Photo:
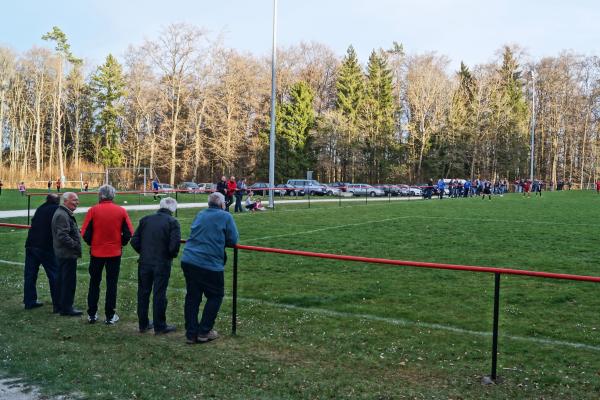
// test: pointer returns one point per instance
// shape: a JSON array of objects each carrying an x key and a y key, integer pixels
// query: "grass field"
[{"x": 312, "y": 328}]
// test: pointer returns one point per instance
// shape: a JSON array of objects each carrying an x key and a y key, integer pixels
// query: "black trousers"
[
  {"x": 153, "y": 279},
  {"x": 198, "y": 282},
  {"x": 113, "y": 266},
  {"x": 67, "y": 277},
  {"x": 33, "y": 258}
]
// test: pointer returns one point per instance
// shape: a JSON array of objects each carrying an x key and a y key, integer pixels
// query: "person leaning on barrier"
[
  {"x": 157, "y": 240},
  {"x": 203, "y": 264},
  {"x": 106, "y": 229},
  {"x": 39, "y": 250},
  {"x": 67, "y": 248}
]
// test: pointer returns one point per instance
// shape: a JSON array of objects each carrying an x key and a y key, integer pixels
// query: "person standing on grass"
[
  {"x": 203, "y": 264},
  {"x": 156, "y": 240},
  {"x": 222, "y": 186},
  {"x": 49, "y": 185},
  {"x": 527, "y": 188},
  {"x": 597, "y": 186},
  {"x": 22, "y": 188},
  {"x": 106, "y": 229},
  {"x": 231, "y": 188},
  {"x": 441, "y": 186},
  {"x": 487, "y": 190},
  {"x": 239, "y": 194},
  {"x": 39, "y": 250},
  {"x": 58, "y": 185},
  {"x": 67, "y": 248},
  {"x": 1, "y": 184},
  {"x": 155, "y": 188}
]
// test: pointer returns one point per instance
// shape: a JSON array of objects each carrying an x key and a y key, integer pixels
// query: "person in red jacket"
[
  {"x": 231, "y": 188},
  {"x": 106, "y": 229},
  {"x": 598, "y": 186}
]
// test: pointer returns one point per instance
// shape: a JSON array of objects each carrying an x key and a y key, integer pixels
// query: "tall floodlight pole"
[
  {"x": 532, "y": 125},
  {"x": 272, "y": 135}
]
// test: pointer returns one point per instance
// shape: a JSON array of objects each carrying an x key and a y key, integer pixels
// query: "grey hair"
[
  {"x": 216, "y": 199},
  {"x": 68, "y": 195},
  {"x": 169, "y": 203},
  {"x": 106, "y": 192}
]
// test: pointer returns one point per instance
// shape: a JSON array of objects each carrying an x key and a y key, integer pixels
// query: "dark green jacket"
[{"x": 65, "y": 234}]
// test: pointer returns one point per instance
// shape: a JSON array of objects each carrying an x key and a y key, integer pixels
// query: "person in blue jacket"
[
  {"x": 441, "y": 186},
  {"x": 203, "y": 264}
]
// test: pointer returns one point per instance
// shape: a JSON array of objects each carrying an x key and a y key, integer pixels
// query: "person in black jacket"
[
  {"x": 38, "y": 250},
  {"x": 157, "y": 240}
]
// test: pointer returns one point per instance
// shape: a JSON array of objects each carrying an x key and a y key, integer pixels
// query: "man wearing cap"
[{"x": 157, "y": 240}]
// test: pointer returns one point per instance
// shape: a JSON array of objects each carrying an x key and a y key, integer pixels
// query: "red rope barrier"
[
  {"x": 18, "y": 226},
  {"x": 506, "y": 271},
  {"x": 418, "y": 264}
]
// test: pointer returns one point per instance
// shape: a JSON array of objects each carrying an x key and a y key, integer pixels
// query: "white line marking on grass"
[
  {"x": 405, "y": 322},
  {"x": 327, "y": 228},
  {"x": 11, "y": 262},
  {"x": 388, "y": 320},
  {"x": 78, "y": 264}
]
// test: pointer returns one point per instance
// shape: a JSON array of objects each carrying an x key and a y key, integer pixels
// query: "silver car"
[{"x": 362, "y": 189}]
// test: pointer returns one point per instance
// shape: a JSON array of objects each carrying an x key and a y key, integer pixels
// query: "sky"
[{"x": 464, "y": 30}]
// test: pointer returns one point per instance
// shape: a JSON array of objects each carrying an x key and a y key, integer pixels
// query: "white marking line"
[
  {"x": 78, "y": 264},
  {"x": 393, "y": 321},
  {"x": 408, "y": 323},
  {"x": 327, "y": 228}
]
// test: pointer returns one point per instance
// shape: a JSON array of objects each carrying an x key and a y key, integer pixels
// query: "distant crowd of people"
[
  {"x": 481, "y": 187},
  {"x": 55, "y": 242}
]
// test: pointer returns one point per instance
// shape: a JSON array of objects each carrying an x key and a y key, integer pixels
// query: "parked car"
[
  {"x": 191, "y": 187},
  {"x": 404, "y": 190},
  {"x": 289, "y": 190},
  {"x": 309, "y": 186},
  {"x": 259, "y": 188},
  {"x": 332, "y": 190},
  {"x": 205, "y": 187},
  {"x": 362, "y": 189},
  {"x": 388, "y": 189},
  {"x": 165, "y": 188},
  {"x": 339, "y": 185},
  {"x": 415, "y": 191}
]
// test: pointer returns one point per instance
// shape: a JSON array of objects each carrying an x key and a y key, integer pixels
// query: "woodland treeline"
[{"x": 192, "y": 109}]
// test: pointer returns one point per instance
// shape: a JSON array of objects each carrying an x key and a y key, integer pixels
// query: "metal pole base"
[{"x": 487, "y": 380}]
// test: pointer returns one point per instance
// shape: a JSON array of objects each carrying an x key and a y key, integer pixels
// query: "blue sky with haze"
[{"x": 468, "y": 30}]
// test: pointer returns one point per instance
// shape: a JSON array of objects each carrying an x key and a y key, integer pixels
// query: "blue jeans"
[
  {"x": 198, "y": 282},
  {"x": 33, "y": 258}
]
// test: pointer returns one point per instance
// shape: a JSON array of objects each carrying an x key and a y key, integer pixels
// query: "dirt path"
[{"x": 15, "y": 389}]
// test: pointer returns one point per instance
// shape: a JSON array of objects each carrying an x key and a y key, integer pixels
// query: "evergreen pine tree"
[
  {"x": 295, "y": 119},
  {"x": 109, "y": 89},
  {"x": 350, "y": 93},
  {"x": 378, "y": 118}
]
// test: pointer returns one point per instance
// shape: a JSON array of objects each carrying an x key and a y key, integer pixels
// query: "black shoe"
[
  {"x": 55, "y": 309},
  {"x": 73, "y": 312},
  {"x": 191, "y": 340},
  {"x": 146, "y": 328},
  {"x": 33, "y": 305},
  {"x": 165, "y": 330}
]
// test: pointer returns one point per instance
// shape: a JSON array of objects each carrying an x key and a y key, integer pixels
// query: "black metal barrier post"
[
  {"x": 234, "y": 290},
  {"x": 340, "y": 196},
  {"x": 366, "y": 196},
  {"x": 309, "y": 199},
  {"x": 139, "y": 198},
  {"x": 493, "y": 376},
  {"x": 177, "y": 202},
  {"x": 28, "y": 207}
]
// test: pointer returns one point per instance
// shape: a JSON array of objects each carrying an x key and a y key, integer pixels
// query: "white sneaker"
[
  {"x": 92, "y": 318},
  {"x": 113, "y": 320},
  {"x": 211, "y": 335}
]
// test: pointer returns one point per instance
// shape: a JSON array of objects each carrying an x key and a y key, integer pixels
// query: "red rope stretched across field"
[{"x": 371, "y": 260}]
